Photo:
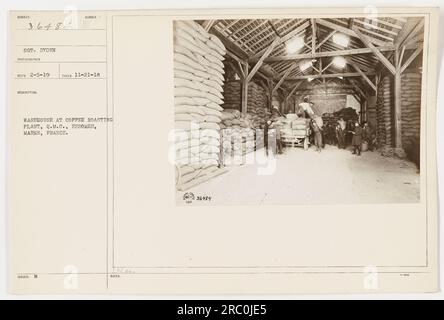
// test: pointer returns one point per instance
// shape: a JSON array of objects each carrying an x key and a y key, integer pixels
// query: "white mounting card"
[{"x": 99, "y": 202}]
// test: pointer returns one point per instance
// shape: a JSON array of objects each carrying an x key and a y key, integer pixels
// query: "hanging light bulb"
[
  {"x": 339, "y": 62},
  {"x": 341, "y": 39},
  {"x": 305, "y": 65},
  {"x": 294, "y": 44}
]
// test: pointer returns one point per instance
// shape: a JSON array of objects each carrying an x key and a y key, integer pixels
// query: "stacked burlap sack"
[
  {"x": 256, "y": 101},
  {"x": 198, "y": 81},
  {"x": 299, "y": 126},
  {"x": 410, "y": 106},
  {"x": 286, "y": 128},
  {"x": 232, "y": 94},
  {"x": 257, "y": 105},
  {"x": 384, "y": 106},
  {"x": 238, "y": 136}
]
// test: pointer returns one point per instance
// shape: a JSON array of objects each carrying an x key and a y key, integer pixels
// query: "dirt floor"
[{"x": 307, "y": 177}]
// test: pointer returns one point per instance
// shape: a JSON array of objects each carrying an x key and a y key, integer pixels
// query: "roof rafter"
[
  {"x": 329, "y": 75},
  {"x": 326, "y": 54},
  {"x": 261, "y": 60},
  {"x": 375, "y": 50}
]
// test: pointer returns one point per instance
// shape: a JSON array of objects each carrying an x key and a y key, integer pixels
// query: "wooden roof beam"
[
  {"x": 283, "y": 39},
  {"x": 243, "y": 28},
  {"x": 234, "y": 57},
  {"x": 329, "y": 75},
  {"x": 293, "y": 90},
  {"x": 207, "y": 24},
  {"x": 375, "y": 50},
  {"x": 368, "y": 24},
  {"x": 238, "y": 54},
  {"x": 383, "y": 22},
  {"x": 325, "y": 39},
  {"x": 267, "y": 52},
  {"x": 238, "y": 69},
  {"x": 411, "y": 58},
  {"x": 356, "y": 67},
  {"x": 415, "y": 32},
  {"x": 241, "y": 37},
  {"x": 290, "y": 68},
  {"x": 228, "y": 26},
  {"x": 356, "y": 87},
  {"x": 347, "y": 31},
  {"x": 406, "y": 31},
  {"x": 327, "y": 54},
  {"x": 313, "y": 35}
]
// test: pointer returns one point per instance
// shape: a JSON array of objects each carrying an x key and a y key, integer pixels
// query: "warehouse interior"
[{"x": 233, "y": 76}]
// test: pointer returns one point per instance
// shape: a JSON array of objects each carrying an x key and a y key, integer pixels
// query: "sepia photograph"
[
  {"x": 298, "y": 111},
  {"x": 244, "y": 152}
]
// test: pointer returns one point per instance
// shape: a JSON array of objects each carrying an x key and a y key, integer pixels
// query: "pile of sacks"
[
  {"x": 384, "y": 107},
  {"x": 238, "y": 134},
  {"x": 198, "y": 80},
  {"x": 233, "y": 119},
  {"x": 411, "y": 106},
  {"x": 294, "y": 126},
  {"x": 257, "y": 105},
  {"x": 232, "y": 94}
]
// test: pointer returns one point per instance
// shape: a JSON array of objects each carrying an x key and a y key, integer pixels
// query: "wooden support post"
[
  {"x": 313, "y": 36},
  {"x": 366, "y": 108},
  {"x": 245, "y": 90},
  {"x": 270, "y": 94},
  {"x": 241, "y": 69},
  {"x": 401, "y": 57},
  {"x": 244, "y": 96},
  {"x": 398, "y": 105}
]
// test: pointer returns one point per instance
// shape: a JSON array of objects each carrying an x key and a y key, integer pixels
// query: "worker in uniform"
[
  {"x": 357, "y": 139},
  {"x": 368, "y": 136},
  {"x": 277, "y": 133},
  {"x": 317, "y": 135},
  {"x": 350, "y": 127},
  {"x": 340, "y": 133},
  {"x": 266, "y": 130}
]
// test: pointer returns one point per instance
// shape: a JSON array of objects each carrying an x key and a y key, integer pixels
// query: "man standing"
[
  {"x": 367, "y": 135},
  {"x": 266, "y": 129},
  {"x": 317, "y": 135},
  {"x": 305, "y": 109},
  {"x": 277, "y": 132},
  {"x": 340, "y": 133},
  {"x": 357, "y": 139}
]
